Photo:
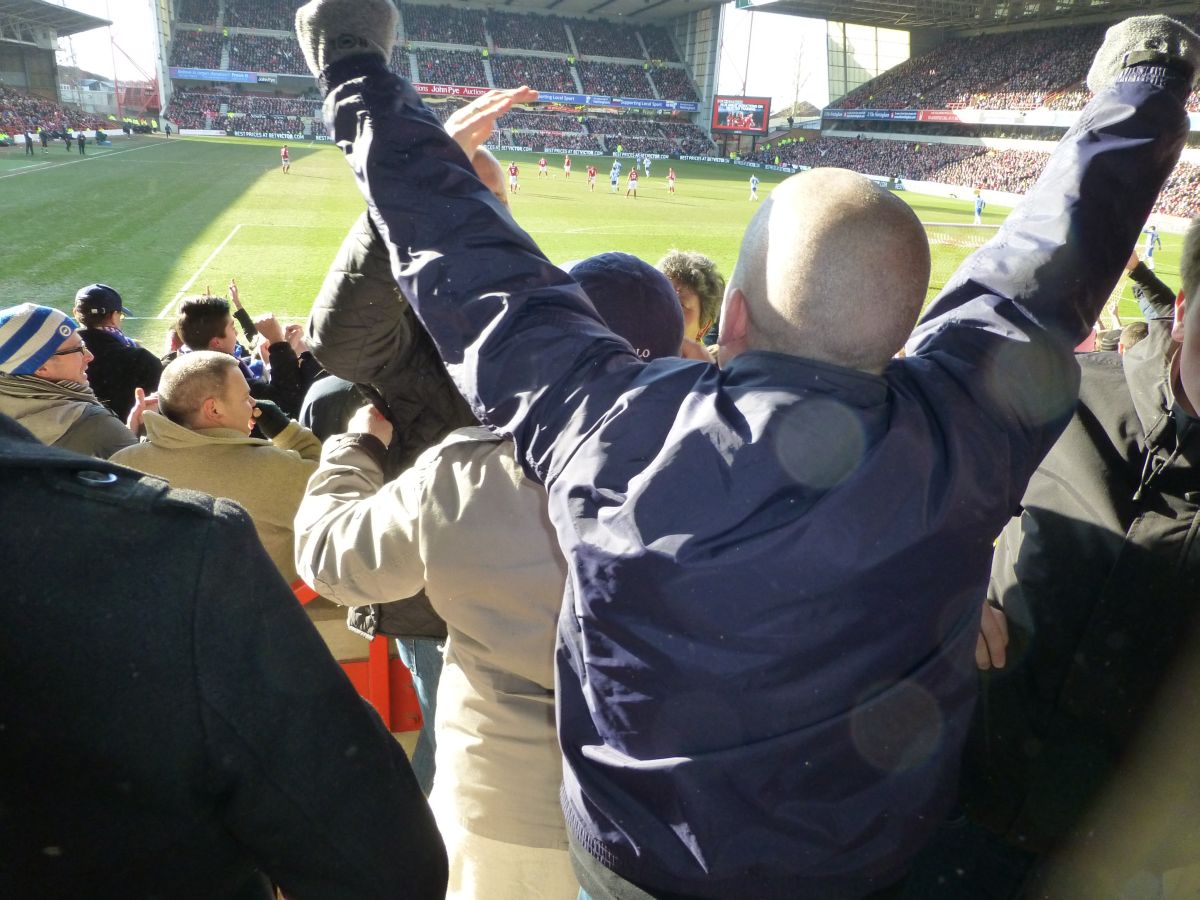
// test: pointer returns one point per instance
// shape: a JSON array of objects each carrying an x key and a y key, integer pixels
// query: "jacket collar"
[
  {"x": 163, "y": 433},
  {"x": 1148, "y": 376},
  {"x": 763, "y": 369}
]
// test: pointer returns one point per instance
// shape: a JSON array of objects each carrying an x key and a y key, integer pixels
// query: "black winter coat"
[
  {"x": 117, "y": 369},
  {"x": 1100, "y": 582},
  {"x": 171, "y": 724},
  {"x": 363, "y": 330}
]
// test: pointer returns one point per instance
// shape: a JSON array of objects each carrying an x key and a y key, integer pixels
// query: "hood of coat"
[{"x": 162, "y": 432}]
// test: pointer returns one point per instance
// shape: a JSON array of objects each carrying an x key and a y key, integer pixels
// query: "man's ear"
[
  {"x": 735, "y": 323},
  {"x": 1177, "y": 325},
  {"x": 210, "y": 411}
]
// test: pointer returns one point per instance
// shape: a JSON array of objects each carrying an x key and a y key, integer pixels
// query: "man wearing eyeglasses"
[{"x": 44, "y": 383}]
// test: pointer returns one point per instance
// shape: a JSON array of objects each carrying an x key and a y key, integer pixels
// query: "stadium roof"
[
  {"x": 46, "y": 15},
  {"x": 958, "y": 15},
  {"x": 652, "y": 11}
]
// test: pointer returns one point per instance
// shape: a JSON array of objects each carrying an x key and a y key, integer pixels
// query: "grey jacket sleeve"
[
  {"x": 313, "y": 782},
  {"x": 97, "y": 433}
]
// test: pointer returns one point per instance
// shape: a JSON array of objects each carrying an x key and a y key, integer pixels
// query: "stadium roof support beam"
[
  {"x": 969, "y": 15},
  {"x": 39, "y": 14}
]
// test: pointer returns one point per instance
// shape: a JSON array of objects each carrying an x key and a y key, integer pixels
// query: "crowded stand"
[
  {"x": 201, "y": 49},
  {"x": 272, "y": 15},
  {"x": 658, "y": 43},
  {"x": 527, "y": 31},
  {"x": 539, "y": 121},
  {"x": 860, "y": 595},
  {"x": 539, "y": 72},
  {"x": 198, "y": 12},
  {"x": 20, "y": 112},
  {"x": 195, "y": 108},
  {"x": 257, "y": 53},
  {"x": 1019, "y": 71},
  {"x": 613, "y": 79},
  {"x": 673, "y": 83},
  {"x": 614, "y": 39},
  {"x": 442, "y": 25},
  {"x": 971, "y": 166},
  {"x": 562, "y": 140},
  {"x": 462, "y": 67},
  {"x": 659, "y": 145}
]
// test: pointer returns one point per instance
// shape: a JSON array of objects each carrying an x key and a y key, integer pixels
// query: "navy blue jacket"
[{"x": 775, "y": 569}]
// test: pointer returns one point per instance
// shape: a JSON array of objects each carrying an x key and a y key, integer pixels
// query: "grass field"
[{"x": 158, "y": 219}]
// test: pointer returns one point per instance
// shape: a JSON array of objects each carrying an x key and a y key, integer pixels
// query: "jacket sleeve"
[
  {"x": 286, "y": 388},
  {"x": 148, "y": 370},
  {"x": 99, "y": 434},
  {"x": 1003, "y": 330},
  {"x": 1154, "y": 298},
  {"x": 358, "y": 540},
  {"x": 312, "y": 782},
  {"x": 520, "y": 338},
  {"x": 298, "y": 438}
]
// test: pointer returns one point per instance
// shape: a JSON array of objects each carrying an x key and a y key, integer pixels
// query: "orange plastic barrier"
[{"x": 382, "y": 680}]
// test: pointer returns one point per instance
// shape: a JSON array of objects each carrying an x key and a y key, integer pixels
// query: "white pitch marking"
[{"x": 204, "y": 265}]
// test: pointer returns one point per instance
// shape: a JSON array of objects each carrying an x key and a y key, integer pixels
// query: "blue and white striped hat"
[{"x": 29, "y": 335}]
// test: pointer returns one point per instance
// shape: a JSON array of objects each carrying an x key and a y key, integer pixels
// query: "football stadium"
[{"x": 893, "y": 598}]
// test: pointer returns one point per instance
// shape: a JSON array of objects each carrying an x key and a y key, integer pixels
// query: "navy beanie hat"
[{"x": 635, "y": 300}]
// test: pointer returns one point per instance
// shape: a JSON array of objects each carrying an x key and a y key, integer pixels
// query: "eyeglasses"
[{"x": 81, "y": 349}]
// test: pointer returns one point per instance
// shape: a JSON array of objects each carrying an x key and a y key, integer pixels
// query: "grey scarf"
[{"x": 47, "y": 408}]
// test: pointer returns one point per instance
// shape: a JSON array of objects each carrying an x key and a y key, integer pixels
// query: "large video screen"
[{"x": 745, "y": 115}]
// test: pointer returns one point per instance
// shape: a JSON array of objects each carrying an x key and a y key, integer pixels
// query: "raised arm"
[
  {"x": 1004, "y": 327},
  {"x": 520, "y": 339}
]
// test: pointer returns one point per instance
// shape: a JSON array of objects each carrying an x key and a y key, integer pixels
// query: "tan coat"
[{"x": 265, "y": 477}]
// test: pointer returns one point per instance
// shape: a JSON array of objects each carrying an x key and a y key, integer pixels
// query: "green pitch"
[{"x": 160, "y": 219}]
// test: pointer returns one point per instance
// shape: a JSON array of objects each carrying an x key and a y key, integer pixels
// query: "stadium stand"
[
  {"x": 20, "y": 112},
  {"x": 613, "y": 79},
  {"x": 533, "y": 121},
  {"x": 442, "y": 25},
  {"x": 612, "y": 39},
  {"x": 274, "y": 15},
  {"x": 971, "y": 166},
  {"x": 538, "y": 72},
  {"x": 1013, "y": 70},
  {"x": 198, "y": 12},
  {"x": 673, "y": 84},
  {"x": 658, "y": 43},
  {"x": 194, "y": 108},
  {"x": 463, "y": 67},
  {"x": 527, "y": 31},
  {"x": 199, "y": 49},
  {"x": 257, "y": 53}
]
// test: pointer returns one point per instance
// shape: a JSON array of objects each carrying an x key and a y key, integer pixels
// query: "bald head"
[{"x": 832, "y": 268}]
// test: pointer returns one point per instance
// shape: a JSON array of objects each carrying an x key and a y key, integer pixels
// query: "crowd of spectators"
[
  {"x": 658, "y": 43},
  {"x": 563, "y": 140},
  {"x": 442, "y": 25},
  {"x": 615, "y": 39},
  {"x": 192, "y": 108},
  {"x": 613, "y": 79},
  {"x": 463, "y": 67},
  {"x": 971, "y": 166},
  {"x": 639, "y": 144},
  {"x": 673, "y": 84},
  {"x": 1019, "y": 71},
  {"x": 20, "y": 112},
  {"x": 622, "y": 126},
  {"x": 200, "y": 49},
  {"x": 696, "y": 146},
  {"x": 274, "y": 15},
  {"x": 197, "y": 12},
  {"x": 527, "y": 31},
  {"x": 539, "y": 72},
  {"x": 534, "y": 121},
  {"x": 257, "y": 53}
]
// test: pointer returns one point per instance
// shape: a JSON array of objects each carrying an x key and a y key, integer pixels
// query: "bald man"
[{"x": 765, "y": 695}]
